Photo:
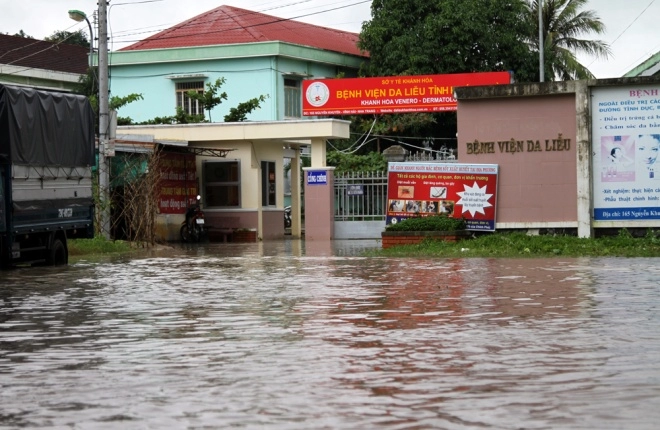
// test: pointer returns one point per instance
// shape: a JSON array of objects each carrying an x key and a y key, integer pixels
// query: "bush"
[{"x": 429, "y": 223}]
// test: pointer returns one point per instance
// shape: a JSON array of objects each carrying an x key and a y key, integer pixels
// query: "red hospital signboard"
[
  {"x": 457, "y": 190},
  {"x": 394, "y": 94}
]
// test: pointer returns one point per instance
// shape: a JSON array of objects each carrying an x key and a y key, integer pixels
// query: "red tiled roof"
[
  {"x": 39, "y": 54},
  {"x": 227, "y": 25}
]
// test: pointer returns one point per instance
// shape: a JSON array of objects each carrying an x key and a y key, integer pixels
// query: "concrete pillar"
[
  {"x": 296, "y": 188},
  {"x": 318, "y": 152},
  {"x": 584, "y": 161},
  {"x": 319, "y": 203}
]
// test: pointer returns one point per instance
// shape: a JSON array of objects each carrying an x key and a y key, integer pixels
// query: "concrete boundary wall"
[{"x": 540, "y": 135}]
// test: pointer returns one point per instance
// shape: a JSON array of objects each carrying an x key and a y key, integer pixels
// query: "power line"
[
  {"x": 255, "y": 25},
  {"x": 634, "y": 20},
  {"x": 626, "y": 29}
]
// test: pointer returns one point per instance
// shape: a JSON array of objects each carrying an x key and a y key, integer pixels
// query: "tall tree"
[
  {"x": 446, "y": 36},
  {"x": 21, "y": 33},
  {"x": 419, "y": 37},
  {"x": 72, "y": 38},
  {"x": 564, "y": 23}
]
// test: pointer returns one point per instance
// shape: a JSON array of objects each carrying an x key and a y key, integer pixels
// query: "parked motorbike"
[
  {"x": 192, "y": 228},
  {"x": 287, "y": 217}
]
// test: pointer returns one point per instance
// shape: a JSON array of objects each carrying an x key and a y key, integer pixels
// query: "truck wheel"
[{"x": 57, "y": 255}]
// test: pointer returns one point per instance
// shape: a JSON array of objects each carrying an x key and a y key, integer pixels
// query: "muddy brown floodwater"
[{"x": 295, "y": 335}]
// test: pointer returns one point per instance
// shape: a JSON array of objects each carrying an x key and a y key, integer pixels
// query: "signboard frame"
[
  {"x": 458, "y": 190},
  {"x": 626, "y": 144},
  {"x": 391, "y": 94}
]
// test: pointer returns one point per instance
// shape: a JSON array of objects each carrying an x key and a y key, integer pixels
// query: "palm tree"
[{"x": 563, "y": 24}]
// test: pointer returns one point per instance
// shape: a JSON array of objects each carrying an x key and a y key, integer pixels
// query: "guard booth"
[{"x": 244, "y": 190}]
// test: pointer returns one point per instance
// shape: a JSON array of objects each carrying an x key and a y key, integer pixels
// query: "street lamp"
[
  {"x": 104, "y": 124},
  {"x": 80, "y": 16}
]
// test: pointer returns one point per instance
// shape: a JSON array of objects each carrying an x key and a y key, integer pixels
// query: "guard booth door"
[{"x": 268, "y": 184}]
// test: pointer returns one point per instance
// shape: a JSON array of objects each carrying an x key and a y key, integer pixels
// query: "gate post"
[{"x": 319, "y": 203}]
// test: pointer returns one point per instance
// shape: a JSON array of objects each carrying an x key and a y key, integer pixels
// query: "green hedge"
[{"x": 429, "y": 223}]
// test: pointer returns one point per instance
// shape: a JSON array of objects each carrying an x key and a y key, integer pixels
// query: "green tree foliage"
[
  {"x": 424, "y": 37},
  {"x": 343, "y": 162},
  {"x": 417, "y": 37},
  {"x": 88, "y": 86},
  {"x": 21, "y": 33},
  {"x": 430, "y": 223},
  {"x": 72, "y": 38},
  {"x": 564, "y": 22},
  {"x": 116, "y": 102},
  {"x": 181, "y": 117},
  {"x": 240, "y": 112},
  {"x": 210, "y": 97}
]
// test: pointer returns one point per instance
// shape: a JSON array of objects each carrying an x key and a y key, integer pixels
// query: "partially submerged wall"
[{"x": 541, "y": 137}]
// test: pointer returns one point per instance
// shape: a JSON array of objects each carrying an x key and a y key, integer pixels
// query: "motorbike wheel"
[
  {"x": 196, "y": 234},
  {"x": 185, "y": 234}
]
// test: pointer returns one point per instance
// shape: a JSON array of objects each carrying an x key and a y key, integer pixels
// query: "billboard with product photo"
[
  {"x": 391, "y": 94},
  {"x": 626, "y": 143},
  {"x": 457, "y": 190}
]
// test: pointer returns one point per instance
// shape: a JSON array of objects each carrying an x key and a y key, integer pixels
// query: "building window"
[
  {"x": 268, "y": 184},
  {"x": 292, "y": 98},
  {"x": 189, "y": 106},
  {"x": 222, "y": 184}
]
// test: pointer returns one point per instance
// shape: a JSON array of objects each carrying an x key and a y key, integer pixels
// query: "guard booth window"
[
  {"x": 268, "y": 184},
  {"x": 222, "y": 184}
]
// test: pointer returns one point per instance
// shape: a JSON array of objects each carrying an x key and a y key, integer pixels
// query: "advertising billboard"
[
  {"x": 393, "y": 94},
  {"x": 457, "y": 190},
  {"x": 626, "y": 144}
]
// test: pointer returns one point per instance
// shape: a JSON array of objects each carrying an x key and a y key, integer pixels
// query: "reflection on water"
[{"x": 295, "y": 335}]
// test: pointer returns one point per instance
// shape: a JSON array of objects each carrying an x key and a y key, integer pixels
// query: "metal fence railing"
[{"x": 360, "y": 196}]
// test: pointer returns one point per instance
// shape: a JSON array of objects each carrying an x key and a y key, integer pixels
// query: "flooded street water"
[{"x": 295, "y": 335}]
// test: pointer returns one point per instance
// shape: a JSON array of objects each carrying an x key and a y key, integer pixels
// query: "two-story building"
[{"x": 256, "y": 55}]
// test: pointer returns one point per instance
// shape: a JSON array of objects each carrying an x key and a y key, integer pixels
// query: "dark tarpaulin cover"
[{"x": 43, "y": 128}]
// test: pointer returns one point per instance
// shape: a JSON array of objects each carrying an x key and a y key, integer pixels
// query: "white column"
[{"x": 584, "y": 164}]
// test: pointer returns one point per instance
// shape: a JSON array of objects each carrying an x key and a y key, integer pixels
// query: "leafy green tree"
[
  {"x": 21, "y": 33},
  {"x": 424, "y": 37},
  {"x": 372, "y": 162},
  {"x": 88, "y": 86},
  {"x": 418, "y": 37},
  {"x": 240, "y": 112},
  {"x": 564, "y": 22},
  {"x": 210, "y": 97},
  {"x": 72, "y": 38}
]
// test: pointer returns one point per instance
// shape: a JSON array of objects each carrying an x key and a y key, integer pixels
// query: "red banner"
[
  {"x": 178, "y": 185},
  {"x": 393, "y": 94}
]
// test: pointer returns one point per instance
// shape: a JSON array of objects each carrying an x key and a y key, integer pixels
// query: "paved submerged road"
[{"x": 295, "y": 335}]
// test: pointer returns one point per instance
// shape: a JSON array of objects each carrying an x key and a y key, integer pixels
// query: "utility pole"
[
  {"x": 104, "y": 120},
  {"x": 541, "y": 43}
]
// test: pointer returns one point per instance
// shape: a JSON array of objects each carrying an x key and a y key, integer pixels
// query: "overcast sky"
[{"x": 633, "y": 30}]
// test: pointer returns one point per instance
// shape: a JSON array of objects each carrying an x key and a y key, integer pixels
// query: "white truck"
[{"x": 47, "y": 152}]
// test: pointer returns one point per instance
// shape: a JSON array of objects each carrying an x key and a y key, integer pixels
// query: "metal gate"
[{"x": 360, "y": 204}]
